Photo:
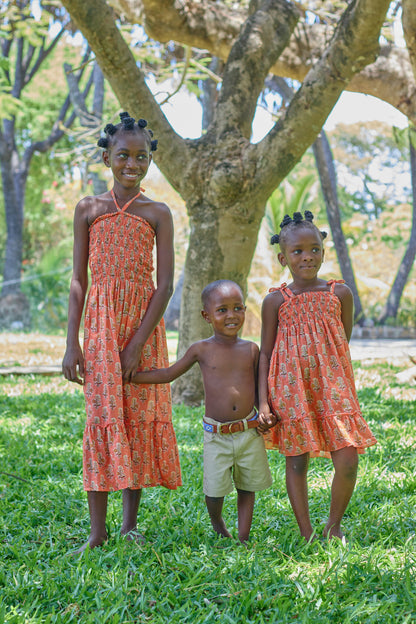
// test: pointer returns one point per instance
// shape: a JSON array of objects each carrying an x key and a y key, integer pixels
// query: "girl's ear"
[
  {"x": 282, "y": 259},
  {"x": 205, "y": 316},
  {"x": 106, "y": 158}
]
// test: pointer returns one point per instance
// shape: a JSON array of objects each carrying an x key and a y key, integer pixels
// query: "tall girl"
[
  {"x": 129, "y": 441},
  {"x": 305, "y": 374}
]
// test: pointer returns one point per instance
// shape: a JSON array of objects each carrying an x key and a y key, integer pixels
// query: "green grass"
[{"x": 184, "y": 573}]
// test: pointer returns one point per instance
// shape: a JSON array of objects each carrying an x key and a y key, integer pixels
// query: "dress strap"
[
  {"x": 332, "y": 283},
  {"x": 127, "y": 204},
  {"x": 286, "y": 292}
]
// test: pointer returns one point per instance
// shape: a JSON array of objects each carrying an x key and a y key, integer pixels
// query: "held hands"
[
  {"x": 73, "y": 365},
  {"x": 129, "y": 360},
  {"x": 266, "y": 419}
]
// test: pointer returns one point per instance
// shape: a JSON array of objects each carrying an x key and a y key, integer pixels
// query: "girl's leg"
[
  {"x": 131, "y": 502},
  {"x": 345, "y": 463},
  {"x": 214, "y": 506},
  {"x": 297, "y": 489},
  {"x": 97, "y": 504},
  {"x": 245, "y": 507}
]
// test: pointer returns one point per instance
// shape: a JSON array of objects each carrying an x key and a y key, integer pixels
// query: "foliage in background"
[
  {"x": 183, "y": 573},
  {"x": 373, "y": 169}
]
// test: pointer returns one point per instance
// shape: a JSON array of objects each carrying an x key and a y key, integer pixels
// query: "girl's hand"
[
  {"x": 129, "y": 360},
  {"x": 73, "y": 365},
  {"x": 266, "y": 419}
]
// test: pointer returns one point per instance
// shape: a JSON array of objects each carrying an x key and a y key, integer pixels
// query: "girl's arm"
[
  {"x": 269, "y": 314},
  {"x": 166, "y": 375},
  {"x": 130, "y": 356},
  {"x": 344, "y": 294},
  {"x": 73, "y": 362}
]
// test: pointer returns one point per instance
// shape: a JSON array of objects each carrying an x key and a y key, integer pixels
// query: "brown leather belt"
[{"x": 234, "y": 427}]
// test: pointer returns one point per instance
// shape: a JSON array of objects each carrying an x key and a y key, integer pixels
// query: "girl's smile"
[{"x": 129, "y": 158}]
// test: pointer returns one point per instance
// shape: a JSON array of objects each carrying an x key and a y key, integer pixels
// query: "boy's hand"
[{"x": 129, "y": 360}]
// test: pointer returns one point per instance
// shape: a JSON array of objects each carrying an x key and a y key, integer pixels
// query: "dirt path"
[{"x": 43, "y": 350}]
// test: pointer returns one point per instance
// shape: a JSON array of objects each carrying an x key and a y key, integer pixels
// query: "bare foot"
[
  {"x": 90, "y": 543},
  {"x": 134, "y": 536},
  {"x": 220, "y": 528},
  {"x": 332, "y": 531}
]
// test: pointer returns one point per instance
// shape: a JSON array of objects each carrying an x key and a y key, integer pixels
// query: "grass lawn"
[{"x": 184, "y": 573}]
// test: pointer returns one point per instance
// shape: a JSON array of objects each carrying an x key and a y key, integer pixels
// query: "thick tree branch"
[
  {"x": 263, "y": 38},
  {"x": 409, "y": 29},
  {"x": 354, "y": 45},
  {"x": 96, "y": 21},
  {"x": 213, "y": 27}
]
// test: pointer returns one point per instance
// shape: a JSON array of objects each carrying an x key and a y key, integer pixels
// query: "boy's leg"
[
  {"x": 345, "y": 463},
  {"x": 245, "y": 507},
  {"x": 131, "y": 502},
  {"x": 297, "y": 489},
  {"x": 97, "y": 504},
  {"x": 214, "y": 506}
]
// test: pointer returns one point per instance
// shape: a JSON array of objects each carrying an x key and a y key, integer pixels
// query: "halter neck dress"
[
  {"x": 129, "y": 440},
  {"x": 311, "y": 380}
]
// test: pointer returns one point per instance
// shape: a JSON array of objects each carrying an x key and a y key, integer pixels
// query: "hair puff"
[
  {"x": 142, "y": 123},
  {"x": 286, "y": 221},
  {"x": 110, "y": 129},
  {"x": 274, "y": 239},
  {"x": 297, "y": 217}
]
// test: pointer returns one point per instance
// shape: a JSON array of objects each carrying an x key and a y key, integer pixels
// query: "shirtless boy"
[{"x": 233, "y": 446}]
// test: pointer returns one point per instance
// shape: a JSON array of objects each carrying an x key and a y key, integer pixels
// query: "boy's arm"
[
  {"x": 269, "y": 314},
  {"x": 166, "y": 375},
  {"x": 344, "y": 294}
]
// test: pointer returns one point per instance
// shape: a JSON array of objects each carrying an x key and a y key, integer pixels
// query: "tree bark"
[
  {"x": 215, "y": 26},
  {"x": 391, "y": 308},
  {"x": 327, "y": 175},
  {"x": 224, "y": 179}
]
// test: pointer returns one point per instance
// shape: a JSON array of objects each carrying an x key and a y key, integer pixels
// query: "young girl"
[
  {"x": 305, "y": 373},
  {"x": 129, "y": 441}
]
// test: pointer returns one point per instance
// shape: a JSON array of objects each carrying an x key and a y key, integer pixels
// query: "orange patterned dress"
[
  {"x": 311, "y": 381},
  {"x": 129, "y": 440}
]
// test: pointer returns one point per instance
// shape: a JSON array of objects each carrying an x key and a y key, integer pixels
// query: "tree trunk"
[
  {"x": 221, "y": 246},
  {"x": 325, "y": 165},
  {"x": 13, "y": 194},
  {"x": 391, "y": 308}
]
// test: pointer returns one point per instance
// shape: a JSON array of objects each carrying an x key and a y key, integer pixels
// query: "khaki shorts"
[{"x": 240, "y": 457}]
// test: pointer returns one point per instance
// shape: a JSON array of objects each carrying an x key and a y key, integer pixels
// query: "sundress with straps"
[
  {"x": 311, "y": 380},
  {"x": 129, "y": 440}
]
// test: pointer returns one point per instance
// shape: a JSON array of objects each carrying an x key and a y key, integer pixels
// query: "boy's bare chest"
[{"x": 228, "y": 362}]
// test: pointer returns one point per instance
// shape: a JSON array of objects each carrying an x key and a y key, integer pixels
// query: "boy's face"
[{"x": 225, "y": 310}]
